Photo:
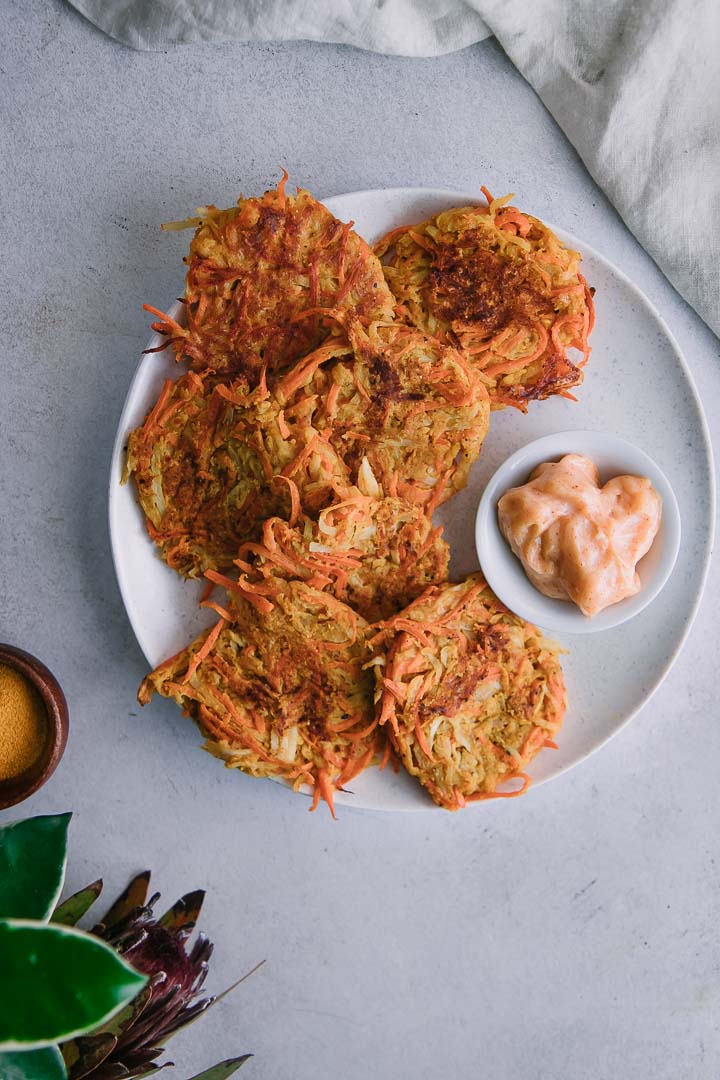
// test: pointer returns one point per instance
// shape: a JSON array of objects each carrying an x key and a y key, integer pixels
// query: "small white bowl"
[{"x": 504, "y": 572}]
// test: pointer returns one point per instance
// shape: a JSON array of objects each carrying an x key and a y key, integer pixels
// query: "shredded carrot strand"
[
  {"x": 159, "y": 405},
  {"x": 247, "y": 591},
  {"x": 294, "y": 498},
  {"x": 204, "y": 650},
  {"x": 481, "y": 796},
  {"x": 213, "y": 606},
  {"x": 281, "y": 188},
  {"x": 324, "y": 789}
]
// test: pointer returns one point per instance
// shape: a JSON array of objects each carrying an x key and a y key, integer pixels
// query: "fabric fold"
[
  {"x": 395, "y": 27},
  {"x": 636, "y": 88},
  {"x": 634, "y": 84}
]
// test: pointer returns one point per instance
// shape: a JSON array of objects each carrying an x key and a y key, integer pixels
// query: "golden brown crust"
[
  {"x": 206, "y": 465},
  {"x": 469, "y": 692},
  {"x": 403, "y": 408},
  {"x": 256, "y": 269},
  {"x": 280, "y": 688},
  {"x": 499, "y": 285},
  {"x": 377, "y": 555}
]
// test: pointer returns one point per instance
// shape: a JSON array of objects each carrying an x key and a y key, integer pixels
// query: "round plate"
[{"x": 637, "y": 385}]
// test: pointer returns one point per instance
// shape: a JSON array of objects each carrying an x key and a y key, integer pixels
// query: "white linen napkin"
[
  {"x": 398, "y": 27},
  {"x": 635, "y": 85}
]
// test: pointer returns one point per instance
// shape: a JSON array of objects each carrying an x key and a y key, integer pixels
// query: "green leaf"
[
  {"x": 32, "y": 866},
  {"x": 223, "y": 1069},
  {"x": 57, "y": 983},
  {"x": 72, "y": 910},
  {"x": 46, "y": 1064}
]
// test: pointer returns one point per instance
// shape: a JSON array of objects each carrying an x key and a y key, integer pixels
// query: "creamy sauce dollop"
[{"x": 577, "y": 540}]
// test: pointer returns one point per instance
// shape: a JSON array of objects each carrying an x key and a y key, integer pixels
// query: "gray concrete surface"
[{"x": 573, "y": 934}]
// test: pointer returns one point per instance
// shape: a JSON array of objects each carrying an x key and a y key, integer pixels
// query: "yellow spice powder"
[{"x": 23, "y": 723}]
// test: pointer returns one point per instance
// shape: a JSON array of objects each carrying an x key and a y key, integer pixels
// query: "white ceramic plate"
[{"x": 636, "y": 385}]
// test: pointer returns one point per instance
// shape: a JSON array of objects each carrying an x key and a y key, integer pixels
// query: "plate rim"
[{"x": 456, "y": 197}]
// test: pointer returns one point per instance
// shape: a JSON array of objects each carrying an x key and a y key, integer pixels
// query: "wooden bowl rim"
[{"x": 18, "y": 788}]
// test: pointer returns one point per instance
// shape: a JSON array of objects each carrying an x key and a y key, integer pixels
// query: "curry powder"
[{"x": 23, "y": 723}]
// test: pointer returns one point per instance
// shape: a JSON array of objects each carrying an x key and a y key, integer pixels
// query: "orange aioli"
[{"x": 577, "y": 540}]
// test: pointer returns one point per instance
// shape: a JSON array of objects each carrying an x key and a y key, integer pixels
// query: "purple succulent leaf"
[
  {"x": 177, "y": 971},
  {"x": 158, "y": 950},
  {"x": 150, "y": 1070},
  {"x": 184, "y": 1019},
  {"x": 143, "y": 1057},
  {"x": 161, "y": 1024},
  {"x": 165, "y": 1014},
  {"x": 175, "y": 1023},
  {"x": 202, "y": 950}
]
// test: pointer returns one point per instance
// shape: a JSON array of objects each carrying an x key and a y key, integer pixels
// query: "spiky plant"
[{"x": 130, "y": 1044}]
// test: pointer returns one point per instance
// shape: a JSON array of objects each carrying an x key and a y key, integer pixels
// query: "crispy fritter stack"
[{"x": 319, "y": 424}]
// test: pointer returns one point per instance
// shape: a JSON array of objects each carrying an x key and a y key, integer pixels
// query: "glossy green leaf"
[
  {"x": 223, "y": 1069},
  {"x": 57, "y": 983},
  {"x": 45, "y": 1064},
  {"x": 71, "y": 911},
  {"x": 32, "y": 866}
]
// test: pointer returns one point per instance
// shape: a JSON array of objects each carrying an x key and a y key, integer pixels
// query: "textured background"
[{"x": 570, "y": 934}]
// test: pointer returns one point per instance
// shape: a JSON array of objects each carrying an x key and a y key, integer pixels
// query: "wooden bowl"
[{"x": 18, "y": 788}]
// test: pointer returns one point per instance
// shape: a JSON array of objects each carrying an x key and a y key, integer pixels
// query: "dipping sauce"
[
  {"x": 577, "y": 540},
  {"x": 24, "y": 728}
]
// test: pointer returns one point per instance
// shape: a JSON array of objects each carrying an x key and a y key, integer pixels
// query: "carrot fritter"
[
  {"x": 402, "y": 410},
  {"x": 375, "y": 554},
  {"x": 280, "y": 688},
  {"x": 255, "y": 269},
  {"x": 498, "y": 284},
  {"x": 211, "y": 464},
  {"x": 468, "y": 691}
]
